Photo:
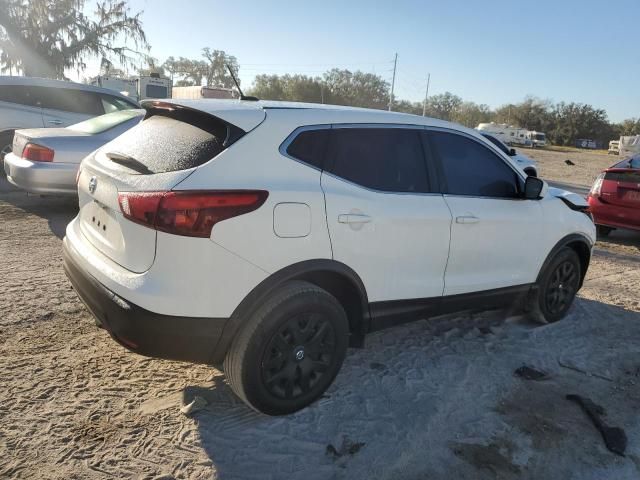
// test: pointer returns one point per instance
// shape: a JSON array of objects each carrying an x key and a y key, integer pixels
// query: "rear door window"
[
  {"x": 19, "y": 94},
  {"x": 162, "y": 144},
  {"x": 384, "y": 159},
  {"x": 70, "y": 100},
  {"x": 470, "y": 168}
]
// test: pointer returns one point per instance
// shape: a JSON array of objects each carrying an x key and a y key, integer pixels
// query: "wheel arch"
[
  {"x": 335, "y": 277},
  {"x": 578, "y": 243}
]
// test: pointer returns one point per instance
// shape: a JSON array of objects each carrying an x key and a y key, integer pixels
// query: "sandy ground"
[{"x": 429, "y": 400}]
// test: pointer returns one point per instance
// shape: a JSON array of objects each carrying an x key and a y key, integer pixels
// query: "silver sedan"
[{"x": 46, "y": 160}]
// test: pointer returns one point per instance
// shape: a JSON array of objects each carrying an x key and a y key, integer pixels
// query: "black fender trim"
[
  {"x": 564, "y": 242},
  {"x": 308, "y": 270}
]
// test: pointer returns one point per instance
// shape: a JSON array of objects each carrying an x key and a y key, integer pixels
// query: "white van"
[{"x": 37, "y": 102}]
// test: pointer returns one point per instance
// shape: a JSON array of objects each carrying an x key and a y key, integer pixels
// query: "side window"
[
  {"x": 310, "y": 146},
  {"x": 70, "y": 100},
  {"x": 386, "y": 159},
  {"x": 19, "y": 94},
  {"x": 470, "y": 168}
]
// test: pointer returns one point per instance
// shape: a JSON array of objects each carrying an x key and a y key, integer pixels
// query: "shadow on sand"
[
  {"x": 418, "y": 395},
  {"x": 58, "y": 211}
]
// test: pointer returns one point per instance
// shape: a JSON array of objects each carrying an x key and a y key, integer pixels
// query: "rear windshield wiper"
[{"x": 128, "y": 161}]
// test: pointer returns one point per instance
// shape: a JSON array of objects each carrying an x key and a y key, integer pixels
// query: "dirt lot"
[{"x": 434, "y": 399}]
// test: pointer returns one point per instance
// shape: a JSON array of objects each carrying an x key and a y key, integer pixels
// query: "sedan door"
[
  {"x": 384, "y": 219},
  {"x": 494, "y": 232}
]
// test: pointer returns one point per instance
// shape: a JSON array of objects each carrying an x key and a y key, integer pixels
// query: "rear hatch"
[
  {"x": 621, "y": 186},
  {"x": 153, "y": 156}
]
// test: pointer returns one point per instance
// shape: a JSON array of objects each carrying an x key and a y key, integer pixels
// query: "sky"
[{"x": 492, "y": 52}]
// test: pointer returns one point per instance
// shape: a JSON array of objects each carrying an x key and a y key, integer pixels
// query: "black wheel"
[
  {"x": 603, "y": 231},
  {"x": 290, "y": 350},
  {"x": 557, "y": 286}
]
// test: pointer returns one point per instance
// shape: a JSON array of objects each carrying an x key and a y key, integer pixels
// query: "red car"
[{"x": 614, "y": 198}]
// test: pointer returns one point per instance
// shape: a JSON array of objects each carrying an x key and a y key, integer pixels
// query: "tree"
[
  {"x": 45, "y": 37},
  {"x": 216, "y": 72},
  {"x": 360, "y": 89},
  {"x": 213, "y": 69},
  {"x": 630, "y": 126},
  {"x": 470, "y": 114},
  {"x": 153, "y": 66},
  {"x": 443, "y": 106}
]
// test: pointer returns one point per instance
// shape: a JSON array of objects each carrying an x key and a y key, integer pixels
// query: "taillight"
[
  {"x": 597, "y": 186},
  {"x": 37, "y": 153},
  {"x": 188, "y": 213}
]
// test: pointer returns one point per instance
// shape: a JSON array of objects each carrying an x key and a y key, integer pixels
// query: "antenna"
[{"x": 235, "y": 80}]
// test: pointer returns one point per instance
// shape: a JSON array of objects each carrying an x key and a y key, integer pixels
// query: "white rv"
[
  {"x": 629, "y": 145},
  {"x": 196, "y": 92},
  {"x": 538, "y": 139},
  {"x": 507, "y": 133},
  {"x": 137, "y": 88}
]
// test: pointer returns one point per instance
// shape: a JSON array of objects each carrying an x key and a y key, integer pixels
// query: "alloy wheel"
[{"x": 561, "y": 288}]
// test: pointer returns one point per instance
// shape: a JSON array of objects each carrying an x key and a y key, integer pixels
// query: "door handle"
[
  {"x": 353, "y": 218},
  {"x": 55, "y": 122},
  {"x": 467, "y": 219}
]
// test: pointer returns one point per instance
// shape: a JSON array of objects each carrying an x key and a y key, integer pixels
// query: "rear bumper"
[
  {"x": 141, "y": 331},
  {"x": 48, "y": 178},
  {"x": 617, "y": 216}
]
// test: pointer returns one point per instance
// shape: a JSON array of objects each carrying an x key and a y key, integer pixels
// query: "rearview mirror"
[
  {"x": 533, "y": 188},
  {"x": 512, "y": 152}
]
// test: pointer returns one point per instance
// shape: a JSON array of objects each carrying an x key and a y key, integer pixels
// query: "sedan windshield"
[{"x": 105, "y": 122}]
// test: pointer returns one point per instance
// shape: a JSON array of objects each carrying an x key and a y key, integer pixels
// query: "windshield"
[
  {"x": 105, "y": 122},
  {"x": 539, "y": 136}
]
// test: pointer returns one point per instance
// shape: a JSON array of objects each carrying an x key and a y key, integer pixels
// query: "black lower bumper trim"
[{"x": 190, "y": 339}]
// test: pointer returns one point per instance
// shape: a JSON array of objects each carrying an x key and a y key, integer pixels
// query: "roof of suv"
[
  {"x": 47, "y": 82},
  {"x": 247, "y": 114}
]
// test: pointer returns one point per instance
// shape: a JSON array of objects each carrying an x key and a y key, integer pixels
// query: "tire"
[
  {"x": 530, "y": 172},
  {"x": 290, "y": 350},
  {"x": 603, "y": 231},
  {"x": 557, "y": 287}
]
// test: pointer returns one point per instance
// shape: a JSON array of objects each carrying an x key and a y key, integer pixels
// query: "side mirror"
[
  {"x": 512, "y": 152},
  {"x": 533, "y": 188}
]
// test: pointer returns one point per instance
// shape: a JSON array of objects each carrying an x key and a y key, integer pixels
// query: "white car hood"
[{"x": 568, "y": 197}]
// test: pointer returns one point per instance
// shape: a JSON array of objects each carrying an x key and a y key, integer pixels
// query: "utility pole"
[
  {"x": 393, "y": 81},
  {"x": 424, "y": 105}
]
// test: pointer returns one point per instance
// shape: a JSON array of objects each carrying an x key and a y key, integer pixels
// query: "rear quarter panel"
[{"x": 254, "y": 162}]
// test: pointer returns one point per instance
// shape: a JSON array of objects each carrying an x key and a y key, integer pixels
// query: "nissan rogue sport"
[{"x": 267, "y": 237}]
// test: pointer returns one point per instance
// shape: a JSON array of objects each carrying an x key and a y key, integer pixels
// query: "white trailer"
[
  {"x": 538, "y": 139},
  {"x": 138, "y": 88},
  {"x": 629, "y": 145},
  {"x": 507, "y": 133},
  {"x": 197, "y": 92}
]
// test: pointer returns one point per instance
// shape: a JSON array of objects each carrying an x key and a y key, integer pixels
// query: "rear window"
[
  {"x": 105, "y": 122},
  {"x": 163, "y": 144},
  {"x": 633, "y": 162}
]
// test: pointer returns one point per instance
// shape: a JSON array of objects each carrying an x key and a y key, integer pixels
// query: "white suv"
[{"x": 269, "y": 236}]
